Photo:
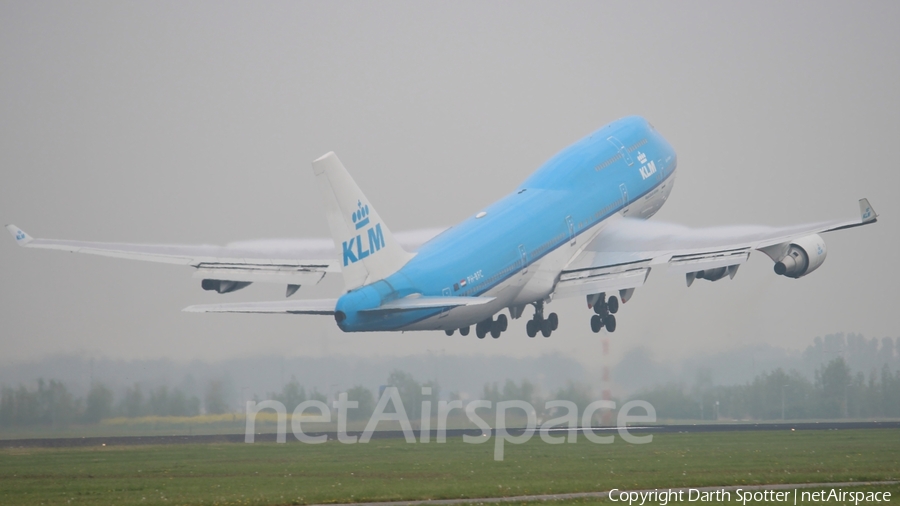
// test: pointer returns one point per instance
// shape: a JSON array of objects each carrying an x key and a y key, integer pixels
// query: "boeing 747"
[{"x": 577, "y": 227}]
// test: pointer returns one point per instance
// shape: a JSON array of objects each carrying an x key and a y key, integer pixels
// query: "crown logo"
[
  {"x": 642, "y": 158},
  {"x": 361, "y": 215}
]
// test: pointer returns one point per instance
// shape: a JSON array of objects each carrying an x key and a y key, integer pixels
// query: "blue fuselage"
[{"x": 515, "y": 249}]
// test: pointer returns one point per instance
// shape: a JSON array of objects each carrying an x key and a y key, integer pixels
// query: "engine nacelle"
[
  {"x": 804, "y": 256},
  {"x": 223, "y": 286},
  {"x": 712, "y": 274}
]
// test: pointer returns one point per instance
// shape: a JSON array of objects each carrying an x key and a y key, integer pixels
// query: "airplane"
[{"x": 577, "y": 227}]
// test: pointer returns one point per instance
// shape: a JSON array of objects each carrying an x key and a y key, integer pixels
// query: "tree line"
[
  {"x": 834, "y": 392},
  {"x": 859, "y": 353},
  {"x": 410, "y": 390},
  {"x": 52, "y": 404}
]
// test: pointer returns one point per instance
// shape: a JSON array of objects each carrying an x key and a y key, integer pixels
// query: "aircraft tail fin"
[{"x": 367, "y": 248}]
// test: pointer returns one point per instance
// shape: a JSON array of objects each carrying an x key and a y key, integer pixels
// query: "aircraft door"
[
  {"x": 624, "y": 190},
  {"x": 622, "y": 150},
  {"x": 570, "y": 223},
  {"x": 524, "y": 258},
  {"x": 445, "y": 310}
]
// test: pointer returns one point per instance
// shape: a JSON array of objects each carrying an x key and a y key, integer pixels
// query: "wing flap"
[
  {"x": 602, "y": 279},
  {"x": 682, "y": 264},
  {"x": 300, "y": 274}
]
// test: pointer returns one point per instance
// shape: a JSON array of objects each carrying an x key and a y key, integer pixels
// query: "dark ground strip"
[
  {"x": 396, "y": 434},
  {"x": 605, "y": 494}
]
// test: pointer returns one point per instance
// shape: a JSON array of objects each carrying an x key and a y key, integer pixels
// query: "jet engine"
[
  {"x": 223, "y": 286},
  {"x": 803, "y": 256},
  {"x": 712, "y": 274}
]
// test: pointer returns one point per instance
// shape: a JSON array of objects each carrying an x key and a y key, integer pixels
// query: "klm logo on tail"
[
  {"x": 361, "y": 216},
  {"x": 354, "y": 250},
  {"x": 20, "y": 235}
]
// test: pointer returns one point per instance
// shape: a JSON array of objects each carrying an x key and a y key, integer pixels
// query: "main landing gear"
[
  {"x": 538, "y": 323},
  {"x": 464, "y": 331},
  {"x": 489, "y": 326},
  {"x": 485, "y": 327},
  {"x": 604, "y": 313},
  {"x": 495, "y": 327}
]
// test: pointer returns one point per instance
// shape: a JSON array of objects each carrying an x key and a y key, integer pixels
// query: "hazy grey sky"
[{"x": 195, "y": 122}]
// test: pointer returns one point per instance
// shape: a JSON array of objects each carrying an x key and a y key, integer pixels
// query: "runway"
[{"x": 396, "y": 434}]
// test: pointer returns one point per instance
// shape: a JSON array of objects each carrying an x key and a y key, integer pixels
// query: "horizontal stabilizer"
[
  {"x": 410, "y": 304},
  {"x": 309, "y": 306}
]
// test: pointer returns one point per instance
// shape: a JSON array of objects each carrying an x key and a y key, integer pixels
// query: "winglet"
[
  {"x": 19, "y": 235},
  {"x": 867, "y": 214}
]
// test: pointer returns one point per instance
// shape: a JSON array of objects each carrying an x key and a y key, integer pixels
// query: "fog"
[
  {"x": 196, "y": 123},
  {"x": 459, "y": 376}
]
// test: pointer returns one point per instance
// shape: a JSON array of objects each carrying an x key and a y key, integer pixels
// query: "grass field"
[{"x": 382, "y": 470}]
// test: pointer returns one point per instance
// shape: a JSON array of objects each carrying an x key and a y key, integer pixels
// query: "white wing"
[
  {"x": 286, "y": 261},
  {"x": 621, "y": 256}
]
